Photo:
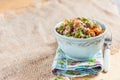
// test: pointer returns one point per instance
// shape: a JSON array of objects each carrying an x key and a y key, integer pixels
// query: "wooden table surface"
[
  {"x": 9, "y": 8},
  {"x": 6, "y": 5}
]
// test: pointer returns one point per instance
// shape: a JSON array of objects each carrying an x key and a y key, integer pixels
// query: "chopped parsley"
[
  {"x": 80, "y": 31},
  {"x": 85, "y": 20},
  {"x": 68, "y": 35},
  {"x": 69, "y": 23},
  {"x": 76, "y": 35},
  {"x": 61, "y": 27},
  {"x": 87, "y": 36}
]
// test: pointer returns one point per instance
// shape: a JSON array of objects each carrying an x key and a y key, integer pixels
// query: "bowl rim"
[{"x": 81, "y": 39}]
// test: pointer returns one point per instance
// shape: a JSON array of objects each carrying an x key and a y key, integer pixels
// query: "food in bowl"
[
  {"x": 79, "y": 28},
  {"x": 76, "y": 46}
]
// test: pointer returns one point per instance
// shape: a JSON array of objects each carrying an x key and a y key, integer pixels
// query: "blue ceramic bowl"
[{"x": 78, "y": 48}]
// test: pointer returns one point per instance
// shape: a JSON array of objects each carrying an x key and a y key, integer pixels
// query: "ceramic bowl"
[{"x": 79, "y": 48}]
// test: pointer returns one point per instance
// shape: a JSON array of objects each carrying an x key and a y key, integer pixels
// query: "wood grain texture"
[{"x": 6, "y": 5}]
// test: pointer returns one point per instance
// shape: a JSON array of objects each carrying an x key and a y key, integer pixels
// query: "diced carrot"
[
  {"x": 76, "y": 23},
  {"x": 91, "y": 30}
]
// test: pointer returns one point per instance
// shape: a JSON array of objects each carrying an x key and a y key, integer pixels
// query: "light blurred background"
[{"x": 22, "y": 5}]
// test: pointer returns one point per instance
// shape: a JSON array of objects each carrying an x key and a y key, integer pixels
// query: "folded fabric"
[{"x": 65, "y": 66}]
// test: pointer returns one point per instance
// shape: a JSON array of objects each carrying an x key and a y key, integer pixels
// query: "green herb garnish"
[
  {"x": 61, "y": 27},
  {"x": 68, "y": 35},
  {"x": 87, "y": 36},
  {"x": 59, "y": 78},
  {"x": 85, "y": 20},
  {"x": 69, "y": 23},
  {"x": 76, "y": 35},
  {"x": 80, "y": 31}
]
